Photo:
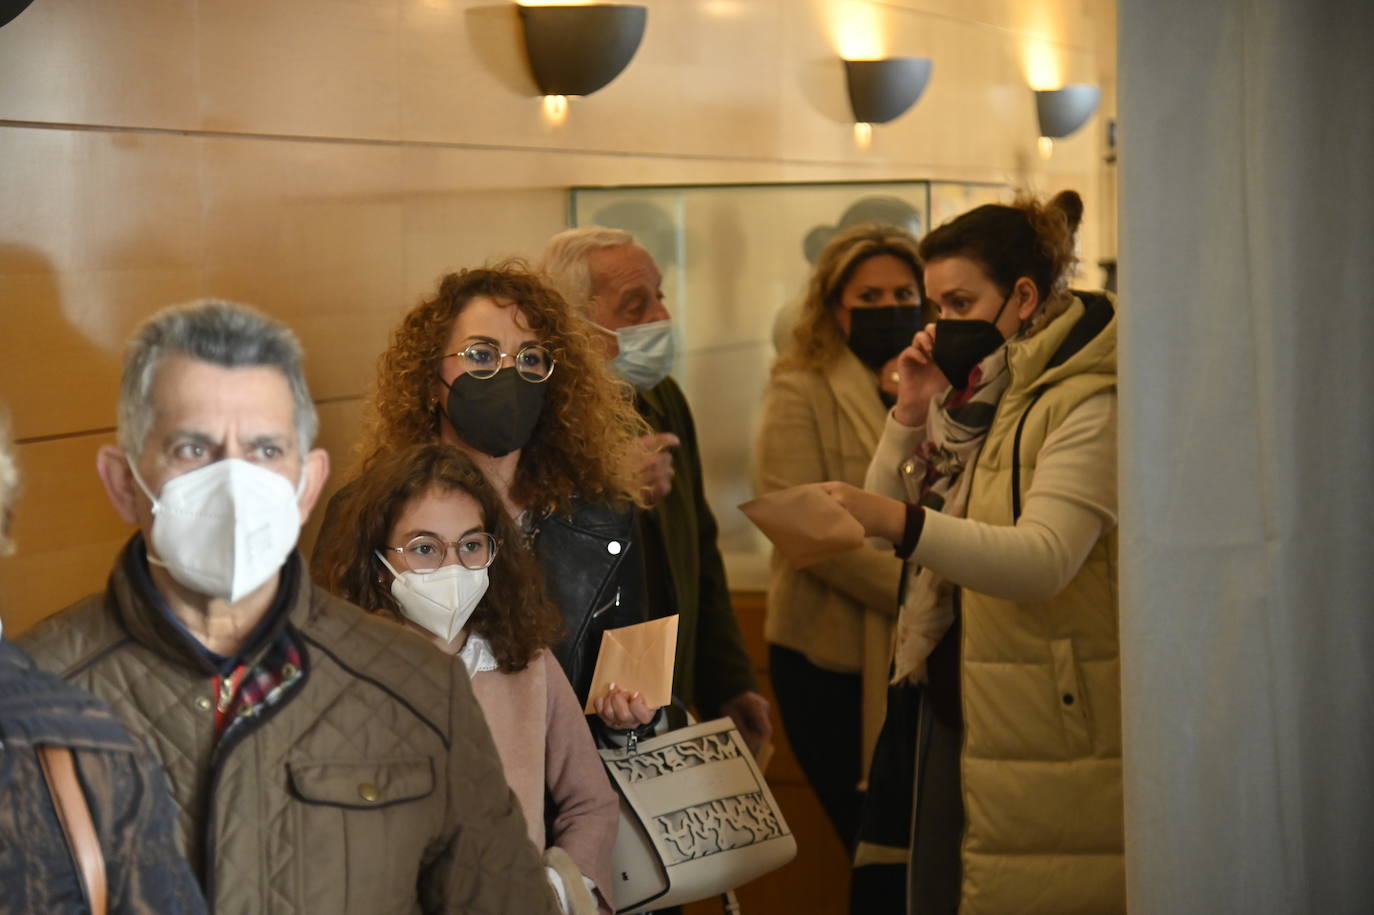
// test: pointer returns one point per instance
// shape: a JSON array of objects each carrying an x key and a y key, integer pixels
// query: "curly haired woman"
[
  {"x": 497, "y": 364},
  {"x": 429, "y": 540}
]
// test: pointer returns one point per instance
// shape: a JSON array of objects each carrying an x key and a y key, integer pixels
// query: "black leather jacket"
[{"x": 594, "y": 574}]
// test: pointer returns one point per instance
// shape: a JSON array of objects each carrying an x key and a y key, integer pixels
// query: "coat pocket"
[
  {"x": 1071, "y": 698},
  {"x": 363, "y": 784}
]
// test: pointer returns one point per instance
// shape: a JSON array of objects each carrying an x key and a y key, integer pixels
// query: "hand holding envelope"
[
  {"x": 638, "y": 657},
  {"x": 805, "y": 523}
]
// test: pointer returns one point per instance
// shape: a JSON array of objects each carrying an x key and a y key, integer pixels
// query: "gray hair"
[
  {"x": 9, "y": 484},
  {"x": 564, "y": 263},
  {"x": 221, "y": 333}
]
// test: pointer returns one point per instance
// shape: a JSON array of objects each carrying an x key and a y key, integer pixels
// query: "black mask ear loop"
[{"x": 997, "y": 317}]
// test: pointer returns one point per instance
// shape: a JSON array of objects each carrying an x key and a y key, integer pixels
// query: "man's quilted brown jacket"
[{"x": 372, "y": 787}]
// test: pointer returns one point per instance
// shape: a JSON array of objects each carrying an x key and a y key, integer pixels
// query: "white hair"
[
  {"x": 9, "y": 484},
  {"x": 564, "y": 263},
  {"x": 221, "y": 333}
]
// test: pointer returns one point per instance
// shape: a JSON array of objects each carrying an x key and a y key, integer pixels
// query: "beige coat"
[
  {"x": 818, "y": 426},
  {"x": 373, "y": 786}
]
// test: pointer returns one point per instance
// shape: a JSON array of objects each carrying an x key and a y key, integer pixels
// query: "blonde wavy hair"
[
  {"x": 582, "y": 448},
  {"x": 817, "y": 337}
]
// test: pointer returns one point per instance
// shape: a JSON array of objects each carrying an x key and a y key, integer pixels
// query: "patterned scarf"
[{"x": 955, "y": 430}]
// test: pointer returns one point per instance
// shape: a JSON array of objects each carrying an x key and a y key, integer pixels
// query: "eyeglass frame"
[
  {"x": 449, "y": 545},
  {"x": 501, "y": 357}
]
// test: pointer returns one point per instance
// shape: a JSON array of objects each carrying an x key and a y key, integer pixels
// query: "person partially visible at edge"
[
  {"x": 121, "y": 783},
  {"x": 616, "y": 284},
  {"x": 497, "y": 364},
  {"x": 829, "y": 625},
  {"x": 996, "y": 477},
  {"x": 430, "y": 543},
  {"x": 322, "y": 759}
]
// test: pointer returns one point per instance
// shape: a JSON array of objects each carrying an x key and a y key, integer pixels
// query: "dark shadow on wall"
[{"x": 495, "y": 38}]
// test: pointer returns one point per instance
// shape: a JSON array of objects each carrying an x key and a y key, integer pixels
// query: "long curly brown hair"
[
  {"x": 581, "y": 448},
  {"x": 817, "y": 337},
  {"x": 514, "y": 616}
]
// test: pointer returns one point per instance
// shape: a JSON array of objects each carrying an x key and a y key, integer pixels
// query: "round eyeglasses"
[
  {"x": 483, "y": 360},
  {"x": 426, "y": 554}
]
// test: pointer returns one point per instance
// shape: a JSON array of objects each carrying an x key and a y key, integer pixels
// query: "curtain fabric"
[{"x": 1247, "y": 454}]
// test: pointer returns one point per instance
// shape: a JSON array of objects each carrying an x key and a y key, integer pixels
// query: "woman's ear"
[{"x": 1026, "y": 297}]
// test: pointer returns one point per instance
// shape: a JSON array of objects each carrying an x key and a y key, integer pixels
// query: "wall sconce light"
[
  {"x": 882, "y": 90},
  {"x": 576, "y": 50},
  {"x": 1062, "y": 111}
]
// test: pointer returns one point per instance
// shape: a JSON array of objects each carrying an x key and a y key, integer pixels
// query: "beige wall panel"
[
  {"x": 101, "y": 62},
  {"x": 339, "y": 428},
  {"x": 311, "y": 233},
  {"x": 97, "y": 230},
  {"x": 306, "y": 67},
  {"x": 464, "y": 75},
  {"x": 54, "y": 378},
  {"x": 65, "y": 530},
  {"x": 1070, "y": 21},
  {"x": 449, "y": 231},
  {"x": 699, "y": 85},
  {"x": 100, "y": 199}
]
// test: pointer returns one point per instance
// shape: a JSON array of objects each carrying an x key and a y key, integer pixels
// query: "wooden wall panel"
[
  {"x": 65, "y": 531},
  {"x": 329, "y": 161},
  {"x": 89, "y": 62}
]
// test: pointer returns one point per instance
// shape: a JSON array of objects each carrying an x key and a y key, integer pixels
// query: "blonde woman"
[{"x": 829, "y": 625}]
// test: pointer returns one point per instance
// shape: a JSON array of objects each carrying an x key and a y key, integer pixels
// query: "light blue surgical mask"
[{"x": 646, "y": 353}]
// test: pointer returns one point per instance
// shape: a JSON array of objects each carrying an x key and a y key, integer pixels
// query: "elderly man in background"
[
  {"x": 322, "y": 759},
  {"x": 69, "y": 770},
  {"x": 617, "y": 285}
]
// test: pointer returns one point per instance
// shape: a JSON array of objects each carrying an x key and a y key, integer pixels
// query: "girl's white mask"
[
  {"x": 441, "y": 601},
  {"x": 224, "y": 529}
]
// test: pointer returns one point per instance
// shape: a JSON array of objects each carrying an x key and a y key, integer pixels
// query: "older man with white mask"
[
  {"x": 617, "y": 285},
  {"x": 321, "y": 759}
]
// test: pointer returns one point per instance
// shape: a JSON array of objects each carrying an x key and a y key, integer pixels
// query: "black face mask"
[
  {"x": 877, "y": 335},
  {"x": 495, "y": 415},
  {"x": 961, "y": 345}
]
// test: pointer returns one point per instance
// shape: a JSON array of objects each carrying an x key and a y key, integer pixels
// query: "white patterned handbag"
[{"x": 696, "y": 818}]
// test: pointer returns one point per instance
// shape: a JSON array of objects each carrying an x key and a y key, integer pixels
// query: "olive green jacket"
[
  {"x": 371, "y": 786},
  {"x": 683, "y": 569}
]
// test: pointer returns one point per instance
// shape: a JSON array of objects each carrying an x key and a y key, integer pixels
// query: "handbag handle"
[{"x": 59, "y": 771}]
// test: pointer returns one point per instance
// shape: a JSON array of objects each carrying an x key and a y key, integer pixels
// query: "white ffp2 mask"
[
  {"x": 224, "y": 529},
  {"x": 441, "y": 601}
]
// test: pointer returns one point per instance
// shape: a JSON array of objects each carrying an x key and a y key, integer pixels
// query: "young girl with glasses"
[{"x": 428, "y": 541}]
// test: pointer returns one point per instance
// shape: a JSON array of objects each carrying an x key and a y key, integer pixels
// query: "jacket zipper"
[{"x": 221, "y": 754}]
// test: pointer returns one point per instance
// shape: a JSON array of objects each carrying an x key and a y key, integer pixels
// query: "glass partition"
[{"x": 735, "y": 261}]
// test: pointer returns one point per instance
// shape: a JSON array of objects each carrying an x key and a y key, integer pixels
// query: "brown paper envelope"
[
  {"x": 638, "y": 657},
  {"x": 805, "y": 523}
]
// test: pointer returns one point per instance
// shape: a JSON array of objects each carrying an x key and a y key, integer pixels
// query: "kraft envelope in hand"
[
  {"x": 638, "y": 657},
  {"x": 805, "y": 524}
]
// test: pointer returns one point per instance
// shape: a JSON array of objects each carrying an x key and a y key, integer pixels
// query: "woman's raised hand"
[{"x": 918, "y": 378}]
